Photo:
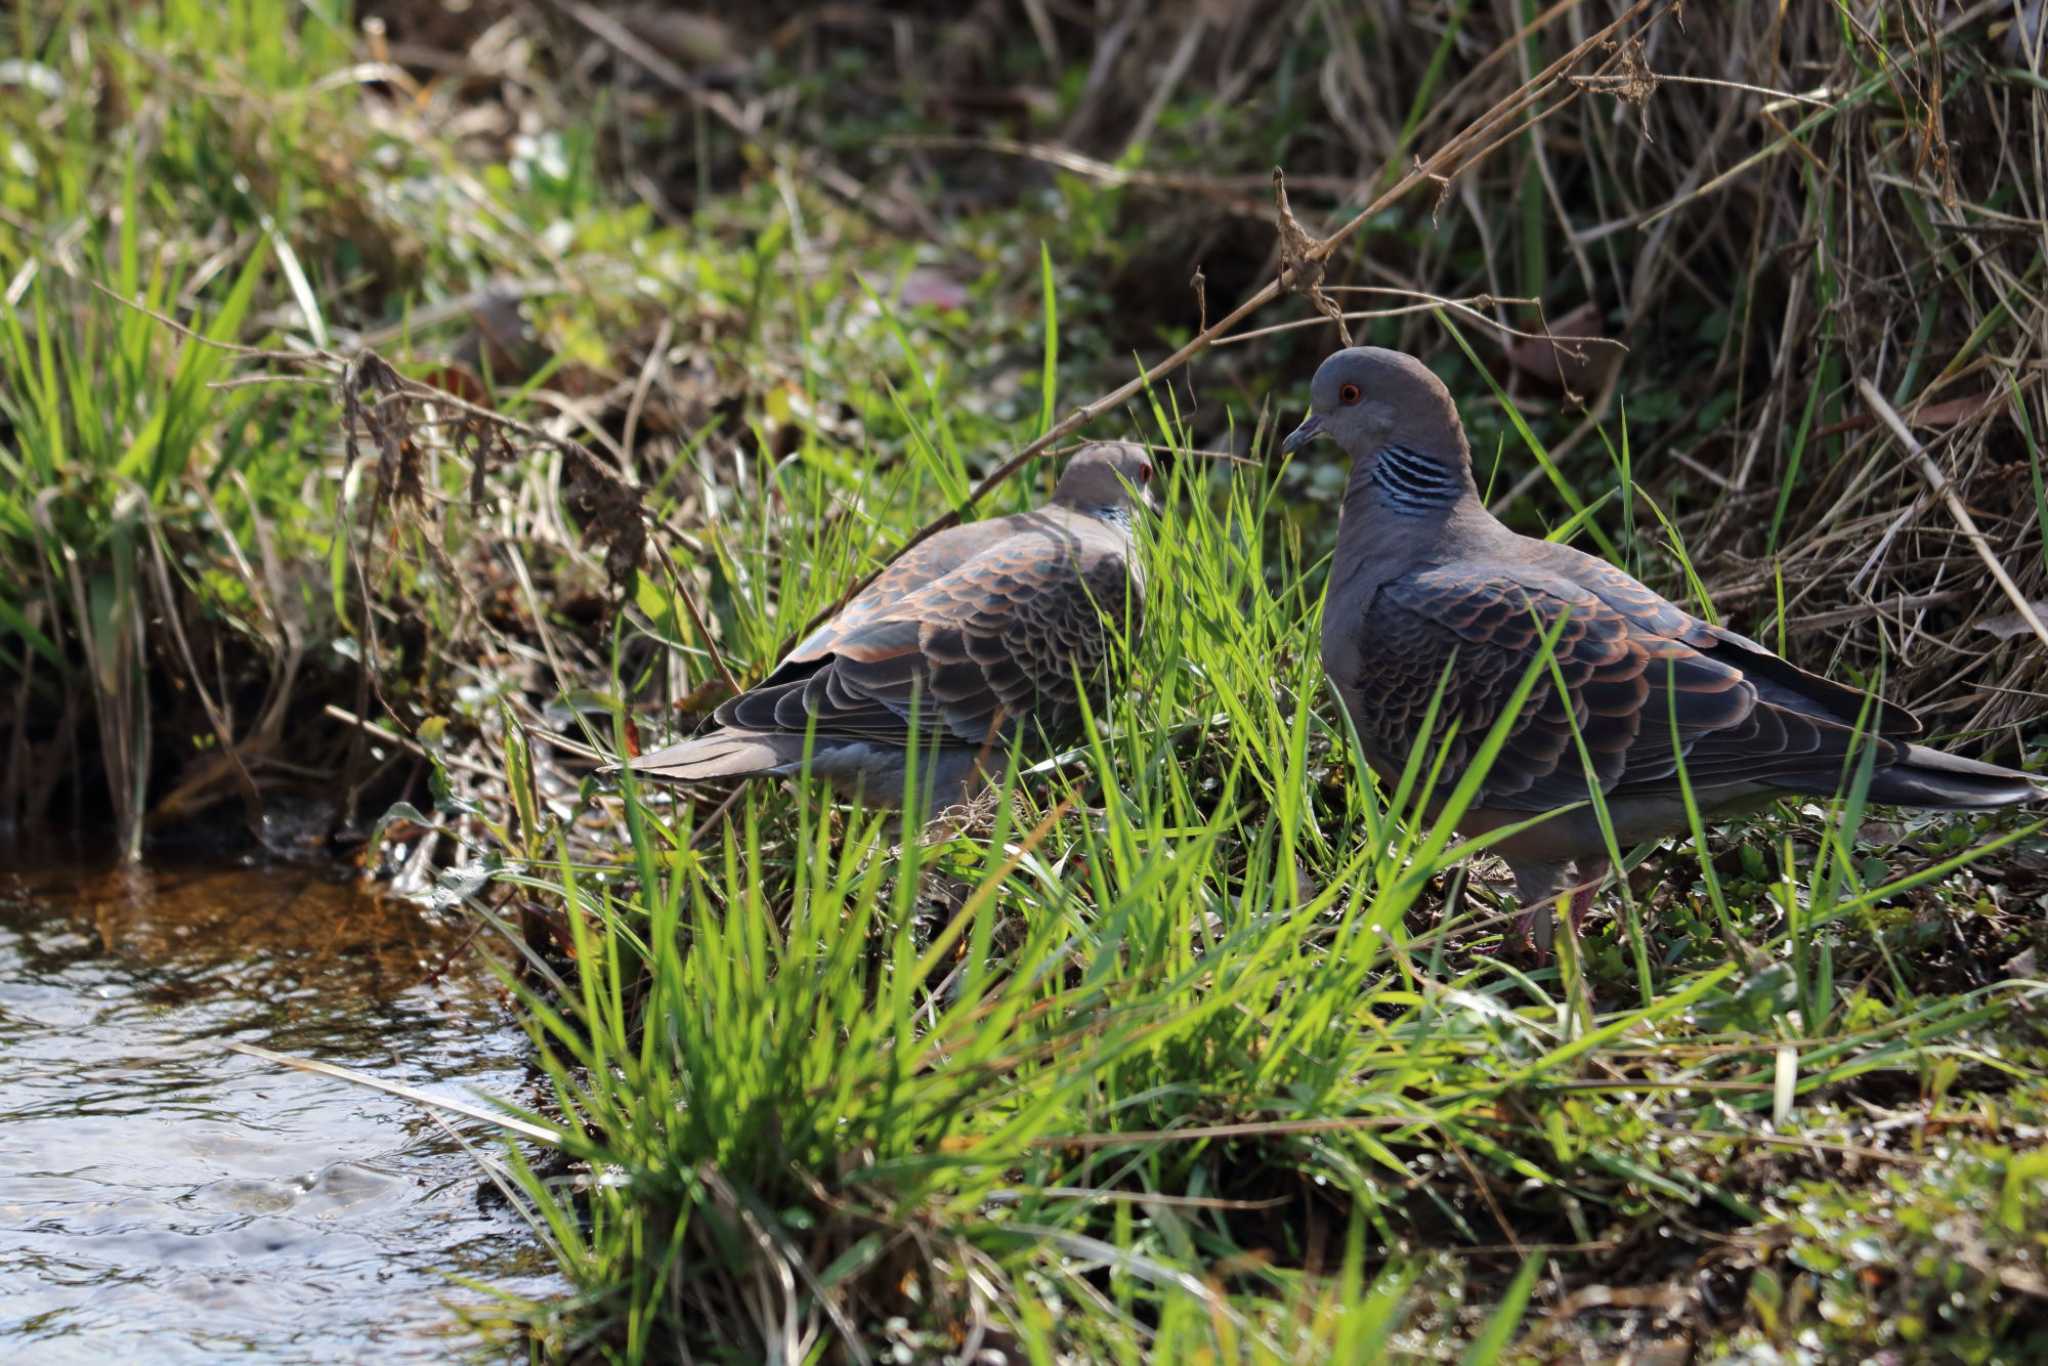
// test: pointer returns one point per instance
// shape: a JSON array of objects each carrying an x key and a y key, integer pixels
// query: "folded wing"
[
  {"x": 993, "y": 644},
  {"x": 1642, "y": 683}
]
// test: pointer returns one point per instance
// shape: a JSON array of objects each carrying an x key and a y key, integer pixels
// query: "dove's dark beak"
[{"x": 1311, "y": 427}]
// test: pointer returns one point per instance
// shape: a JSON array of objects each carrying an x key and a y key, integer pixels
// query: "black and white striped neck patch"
[{"x": 1413, "y": 483}]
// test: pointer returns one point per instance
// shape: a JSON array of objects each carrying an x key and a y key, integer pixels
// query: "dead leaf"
[
  {"x": 2006, "y": 625},
  {"x": 1307, "y": 272},
  {"x": 691, "y": 39},
  {"x": 1950, "y": 411},
  {"x": 925, "y": 287},
  {"x": 611, "y": 516},
  {"x": 503, "y": 339},
  {"x": 1581, "y": 366},
  {"x": 1946, "y": 413},
  {"x": 460, "y": 381}
]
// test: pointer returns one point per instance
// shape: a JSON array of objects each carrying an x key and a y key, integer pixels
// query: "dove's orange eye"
[
  {"x": 1348, "y": 394},
  {"x": 1144, "y": 474}
]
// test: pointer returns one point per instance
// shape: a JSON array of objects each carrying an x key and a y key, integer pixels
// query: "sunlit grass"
[{"x": 1051, "y": 1079}]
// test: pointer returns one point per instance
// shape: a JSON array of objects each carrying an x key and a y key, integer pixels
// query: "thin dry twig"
[
  {"x": 1938, "y": 481},
  {"x": 1426, "y": 302},
  {"x": 1235, "y": 188}
]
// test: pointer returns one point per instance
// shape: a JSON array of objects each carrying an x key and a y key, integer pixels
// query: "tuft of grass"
[{"x": 1110, "y": 1074}]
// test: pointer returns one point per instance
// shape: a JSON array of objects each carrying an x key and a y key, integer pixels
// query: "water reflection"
[{"x": 165, "y": 1199}]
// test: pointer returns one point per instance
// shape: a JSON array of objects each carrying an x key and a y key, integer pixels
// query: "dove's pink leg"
[
  {"x": 1539, "y": 886},
  {"x": 1536, "y": 886},
  {"x": 1592, "y": 873}
]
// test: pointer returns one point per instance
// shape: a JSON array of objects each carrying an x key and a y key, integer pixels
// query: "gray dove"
[
  {"x": 1427, "y": 585},
  {"x": 984, "y": 633}
]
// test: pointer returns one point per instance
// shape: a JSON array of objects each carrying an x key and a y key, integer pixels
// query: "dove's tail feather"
[
  {"x": 722, "y": 754},
  {"x": 1929, "y": 778}
]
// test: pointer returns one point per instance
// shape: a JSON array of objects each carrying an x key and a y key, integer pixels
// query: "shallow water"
[{"x": 164, "y": 1199}]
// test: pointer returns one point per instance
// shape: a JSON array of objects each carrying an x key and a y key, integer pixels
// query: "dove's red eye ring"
[
  {"x": 1348, "y": 395},
  {"x": 1144, "y": 474}
]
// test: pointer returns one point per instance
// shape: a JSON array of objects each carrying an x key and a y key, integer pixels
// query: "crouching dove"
[
  {"x": 1426, "y": 585},
  {"x": 984, "y": 633}
]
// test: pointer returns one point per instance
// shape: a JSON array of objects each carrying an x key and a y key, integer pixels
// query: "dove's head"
[
  {"x": 1108, "y": 476},
  {"x": 1369, "y": 400}
]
